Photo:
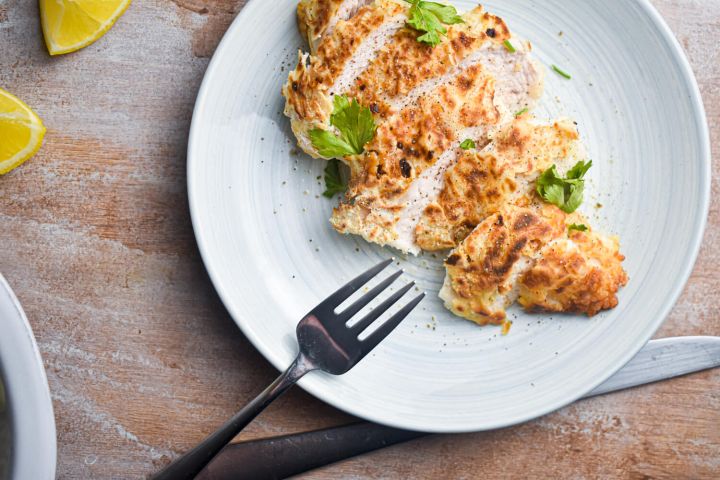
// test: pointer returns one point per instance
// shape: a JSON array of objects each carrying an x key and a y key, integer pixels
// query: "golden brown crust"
[
  {"x": 406, "y": 63},
  {"x": 476, "y": 186},
  {"x": 374, "y": 58},
  {"x": 529, "y": 253},
  {"x": 309, "y": 86},
  {"x": 314, "y": 17},
  {"x": 483, "y": 270},
  {"x": 579, "y": 274},
  {"x": 502, "y": 173}
]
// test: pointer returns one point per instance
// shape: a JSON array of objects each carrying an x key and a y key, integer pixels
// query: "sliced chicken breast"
[{"x": 426, "y": 101}]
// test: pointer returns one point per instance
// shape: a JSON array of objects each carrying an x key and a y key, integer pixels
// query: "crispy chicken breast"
[
  {"x": 414, "y": 188},
  {"x": 528, "y": 254}
]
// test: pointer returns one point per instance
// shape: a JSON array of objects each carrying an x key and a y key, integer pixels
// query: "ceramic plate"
[
  {"x": 28, "y": 413},
  {"x": 265, "y": 238}
]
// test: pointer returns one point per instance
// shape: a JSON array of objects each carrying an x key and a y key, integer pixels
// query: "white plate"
[
  {"x": 255, "y": 211},
  {"x": 28, "y": 398}
]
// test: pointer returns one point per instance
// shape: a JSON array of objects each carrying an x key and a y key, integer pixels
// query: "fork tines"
[{"x": 327, "y": 308}]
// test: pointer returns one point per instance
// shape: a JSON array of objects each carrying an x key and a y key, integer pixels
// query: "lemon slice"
[
  {"x": 21, "y": 131},
  {"x": 70, "y": 25}
]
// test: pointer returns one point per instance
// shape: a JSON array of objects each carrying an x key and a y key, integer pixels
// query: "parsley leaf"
[
  {"x": 522, "y": 112},
  {"x": 566, "y": 193},
  {"x": 561, "y": 72},
  {"x": 467, "y": 144},
  {"x": 579, "y": 170},
  {"x": 355, "y": 124},
  {"x": 429, "y": 17},
  {"x": 509, "y": 46},
  {"x": 333, "y": 181},
  {"x": 579, "y": 227}
]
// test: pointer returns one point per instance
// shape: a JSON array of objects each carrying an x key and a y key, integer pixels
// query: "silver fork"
[{"x": 326, "y": 343}]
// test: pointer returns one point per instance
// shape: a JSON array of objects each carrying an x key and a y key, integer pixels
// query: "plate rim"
[
  {"x": 700, "y": 115},
  {"x": 34, "y": 444}
]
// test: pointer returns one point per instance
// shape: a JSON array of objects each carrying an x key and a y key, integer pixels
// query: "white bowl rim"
[
  {"x": 705, "y": 148},
  {"x": 32, "y": 421}
]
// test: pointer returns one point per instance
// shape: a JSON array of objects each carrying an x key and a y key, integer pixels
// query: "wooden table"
[{"x": 143, "y": 359}]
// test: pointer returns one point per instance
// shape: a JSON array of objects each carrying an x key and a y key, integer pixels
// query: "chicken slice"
[
  {"x": 483, "y": 272},
  {"x": 581, "y": 274},
  {"x": 317, "y": 18},
  {"x": 504, "y": 172}
]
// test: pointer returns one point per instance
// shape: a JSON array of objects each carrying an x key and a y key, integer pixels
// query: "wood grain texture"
[{"x": 142, "y": 358}]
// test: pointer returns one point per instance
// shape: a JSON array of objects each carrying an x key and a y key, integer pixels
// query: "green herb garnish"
[
  {"x": 333, "y": 181},
  {"x": 429, "y": 17},
  {"x": 509, "y": 46},
  {"x": 566, "y": 193},
  {"x": 355, "y": 125},
  {"x": 524, "y": 110},
  {"x": 579, "y": 227},
  {"x": 561, "y": 72},
  {"x": 467, "y": 144}
]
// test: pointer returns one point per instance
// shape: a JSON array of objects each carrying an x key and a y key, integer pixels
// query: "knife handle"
[{"x": 282, "y": 457}]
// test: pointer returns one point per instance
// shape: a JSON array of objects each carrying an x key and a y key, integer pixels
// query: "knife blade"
[{"x": 284, "y": 456}]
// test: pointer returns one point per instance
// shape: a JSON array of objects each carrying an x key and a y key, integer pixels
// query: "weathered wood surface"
[{"x": 141, "y": 356}]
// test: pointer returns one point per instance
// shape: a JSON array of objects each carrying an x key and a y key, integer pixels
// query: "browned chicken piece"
[
  {"x": 503, "y": 173},
  {"x": 581, "y": 273},
  {"x": 317, "y": 18},
  {"x": 528, "y": 254},
  {"x": 483, "y": 272}
]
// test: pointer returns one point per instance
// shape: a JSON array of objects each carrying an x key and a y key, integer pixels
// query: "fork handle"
[
  {"x": 191, "y": 463},
  {"x": 288, "y": 455}
]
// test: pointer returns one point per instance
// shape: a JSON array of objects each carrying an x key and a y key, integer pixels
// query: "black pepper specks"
[
  {"x": 295, "y": 86},
  {"x": 405, "y": 168},
  {"x": 374, "y": 108},
  {"x": 491, "y": 32}
]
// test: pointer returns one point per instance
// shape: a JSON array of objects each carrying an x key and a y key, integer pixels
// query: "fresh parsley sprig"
[
  {"x": 580, "y": 227},
  {"x": 430, "y": 17},
  {"x": 355, "y": 125},
  {"x": 566, "y": 193},
  {"x": 334, "y": 183}
]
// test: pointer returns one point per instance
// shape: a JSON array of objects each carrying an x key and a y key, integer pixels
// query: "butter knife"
[{"x": 284, "y": 456}]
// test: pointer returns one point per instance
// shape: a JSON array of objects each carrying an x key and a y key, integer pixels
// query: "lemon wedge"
[
  {"x": 21, "y": 131},
  {"x": 69, "y": 25}
]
